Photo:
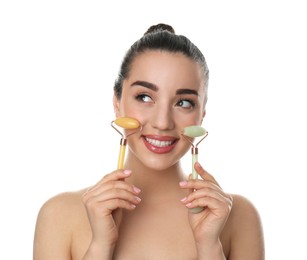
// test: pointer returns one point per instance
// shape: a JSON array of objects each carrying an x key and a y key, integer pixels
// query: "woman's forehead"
[{"x": 163, "y": 66}]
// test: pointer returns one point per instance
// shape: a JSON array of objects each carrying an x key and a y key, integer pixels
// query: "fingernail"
[
  {"x": 137, "y": 190},
  {"x": 137, "y": 199},
  {"x": 184, "y": 199},
  {"x": 127, "y": 172},
  {"x": 198, "y": 164},
  {"x": 183, "y": 183},
  {"x": 188, "y": 205}
]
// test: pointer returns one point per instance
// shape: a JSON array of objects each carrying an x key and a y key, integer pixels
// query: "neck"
[{"x": 154, "y": 183}]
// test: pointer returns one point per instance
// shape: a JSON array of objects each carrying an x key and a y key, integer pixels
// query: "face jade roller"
[
  {"x": 127, "y": 123},
  {"x": 192, "y": 132}
]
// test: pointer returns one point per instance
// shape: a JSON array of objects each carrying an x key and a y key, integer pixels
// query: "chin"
[
  {"x": 155, "y": 161},
  {"x": 159, "y": 164}
]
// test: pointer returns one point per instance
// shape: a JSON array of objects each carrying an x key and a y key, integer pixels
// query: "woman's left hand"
[{"x": 208, "y": 224}]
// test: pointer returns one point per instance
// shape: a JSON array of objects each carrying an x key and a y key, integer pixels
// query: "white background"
[{"x": 58, "y": 62}]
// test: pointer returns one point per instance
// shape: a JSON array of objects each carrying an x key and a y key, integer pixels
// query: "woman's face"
[{"x": 165, "y": 92}]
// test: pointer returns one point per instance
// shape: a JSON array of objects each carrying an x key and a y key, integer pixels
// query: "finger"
[
  {"x": 199, "y": 184},
  {"x": 201, "y": 189},
  {"x": 119, "y": 204},
  {"x": 112, "y": 185},
  {"x": 113, "y": 176},
  {"x": 116, "y": 175},
  {"x": 112, "y": 194},
  {"x": 98, "y": 208},
  {"x": 224, "y": 207},
  {"x": 204, "y": 174},
  {"x": 208, "y": 192}
]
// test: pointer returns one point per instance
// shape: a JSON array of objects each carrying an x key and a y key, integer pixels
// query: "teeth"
[{"x": 158, "y": 143}]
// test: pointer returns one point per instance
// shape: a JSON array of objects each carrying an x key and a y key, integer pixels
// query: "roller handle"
[
  {"x": 121, "y": 156},
  {"x": 195, "y": 177},
  {"x": 194, "y": 160}
]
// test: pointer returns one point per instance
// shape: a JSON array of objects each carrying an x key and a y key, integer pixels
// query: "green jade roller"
[
  {"x": 127, "y": 123},
  {"x": 193, "y": 132}
]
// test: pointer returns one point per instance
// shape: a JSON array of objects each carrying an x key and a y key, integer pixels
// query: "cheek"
[
  {"x": 189, "y": 119},
  {"x": 128, "y": 109}
]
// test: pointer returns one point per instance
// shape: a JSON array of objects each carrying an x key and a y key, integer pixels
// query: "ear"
[
  {"x": 116, "y": 105},
  {"x": 204, "y": 113}
]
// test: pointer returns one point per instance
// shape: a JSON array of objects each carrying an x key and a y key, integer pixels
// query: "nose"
[{"x": 162, "y": 118}]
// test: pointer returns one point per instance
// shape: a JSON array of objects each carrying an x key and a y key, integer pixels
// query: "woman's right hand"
[{"x": 104, "y": 203}]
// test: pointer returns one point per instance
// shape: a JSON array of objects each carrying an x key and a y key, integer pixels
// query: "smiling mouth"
[{"x": 159, "y": 143}]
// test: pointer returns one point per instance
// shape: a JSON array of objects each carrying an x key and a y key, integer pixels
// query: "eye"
[
  {"x": 143, "y": 98},
  {"x": 184, "y": 103}
]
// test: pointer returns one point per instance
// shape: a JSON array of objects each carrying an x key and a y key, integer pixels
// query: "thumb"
[{"x": 204, "y": 174}]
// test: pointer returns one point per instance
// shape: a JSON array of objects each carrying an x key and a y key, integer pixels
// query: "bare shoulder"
[
  {"x": 70, "y": 199},
  {"x": 243, "y": 208},
  {"x": 62, "y": 206},
  {"x": 245, "y": 228},
  {"x": 56, "y": 222}
]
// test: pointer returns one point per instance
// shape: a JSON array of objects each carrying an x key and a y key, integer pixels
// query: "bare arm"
[{"x": 246, "y": 231}]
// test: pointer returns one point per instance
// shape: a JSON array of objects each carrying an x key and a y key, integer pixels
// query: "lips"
[{"x": 160, "y": 144}]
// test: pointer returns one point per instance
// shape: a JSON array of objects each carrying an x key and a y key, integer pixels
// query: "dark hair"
[{"x": 160, "y": 37}]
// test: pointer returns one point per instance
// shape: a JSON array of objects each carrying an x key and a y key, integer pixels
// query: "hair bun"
[{"x": 159, "y": 28}]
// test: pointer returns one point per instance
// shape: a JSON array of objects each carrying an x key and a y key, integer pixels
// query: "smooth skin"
[{"x": 142, "y": 211}]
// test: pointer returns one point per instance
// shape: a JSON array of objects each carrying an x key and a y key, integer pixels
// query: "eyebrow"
[
  {"x": 186, "y": 91},
  {"x": 145, "y": 84},
  {"x": 154, "y": 87}
]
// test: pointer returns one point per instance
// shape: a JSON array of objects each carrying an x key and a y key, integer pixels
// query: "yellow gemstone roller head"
[{"x": 127, "y": 122}]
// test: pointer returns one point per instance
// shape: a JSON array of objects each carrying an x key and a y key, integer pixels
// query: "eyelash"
[
  {"x": 140, "y": 98},
  {"x": 192, "y": 103}
]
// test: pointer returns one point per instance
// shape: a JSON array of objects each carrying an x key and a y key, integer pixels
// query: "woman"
[{"x": 142, "y": 211}]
